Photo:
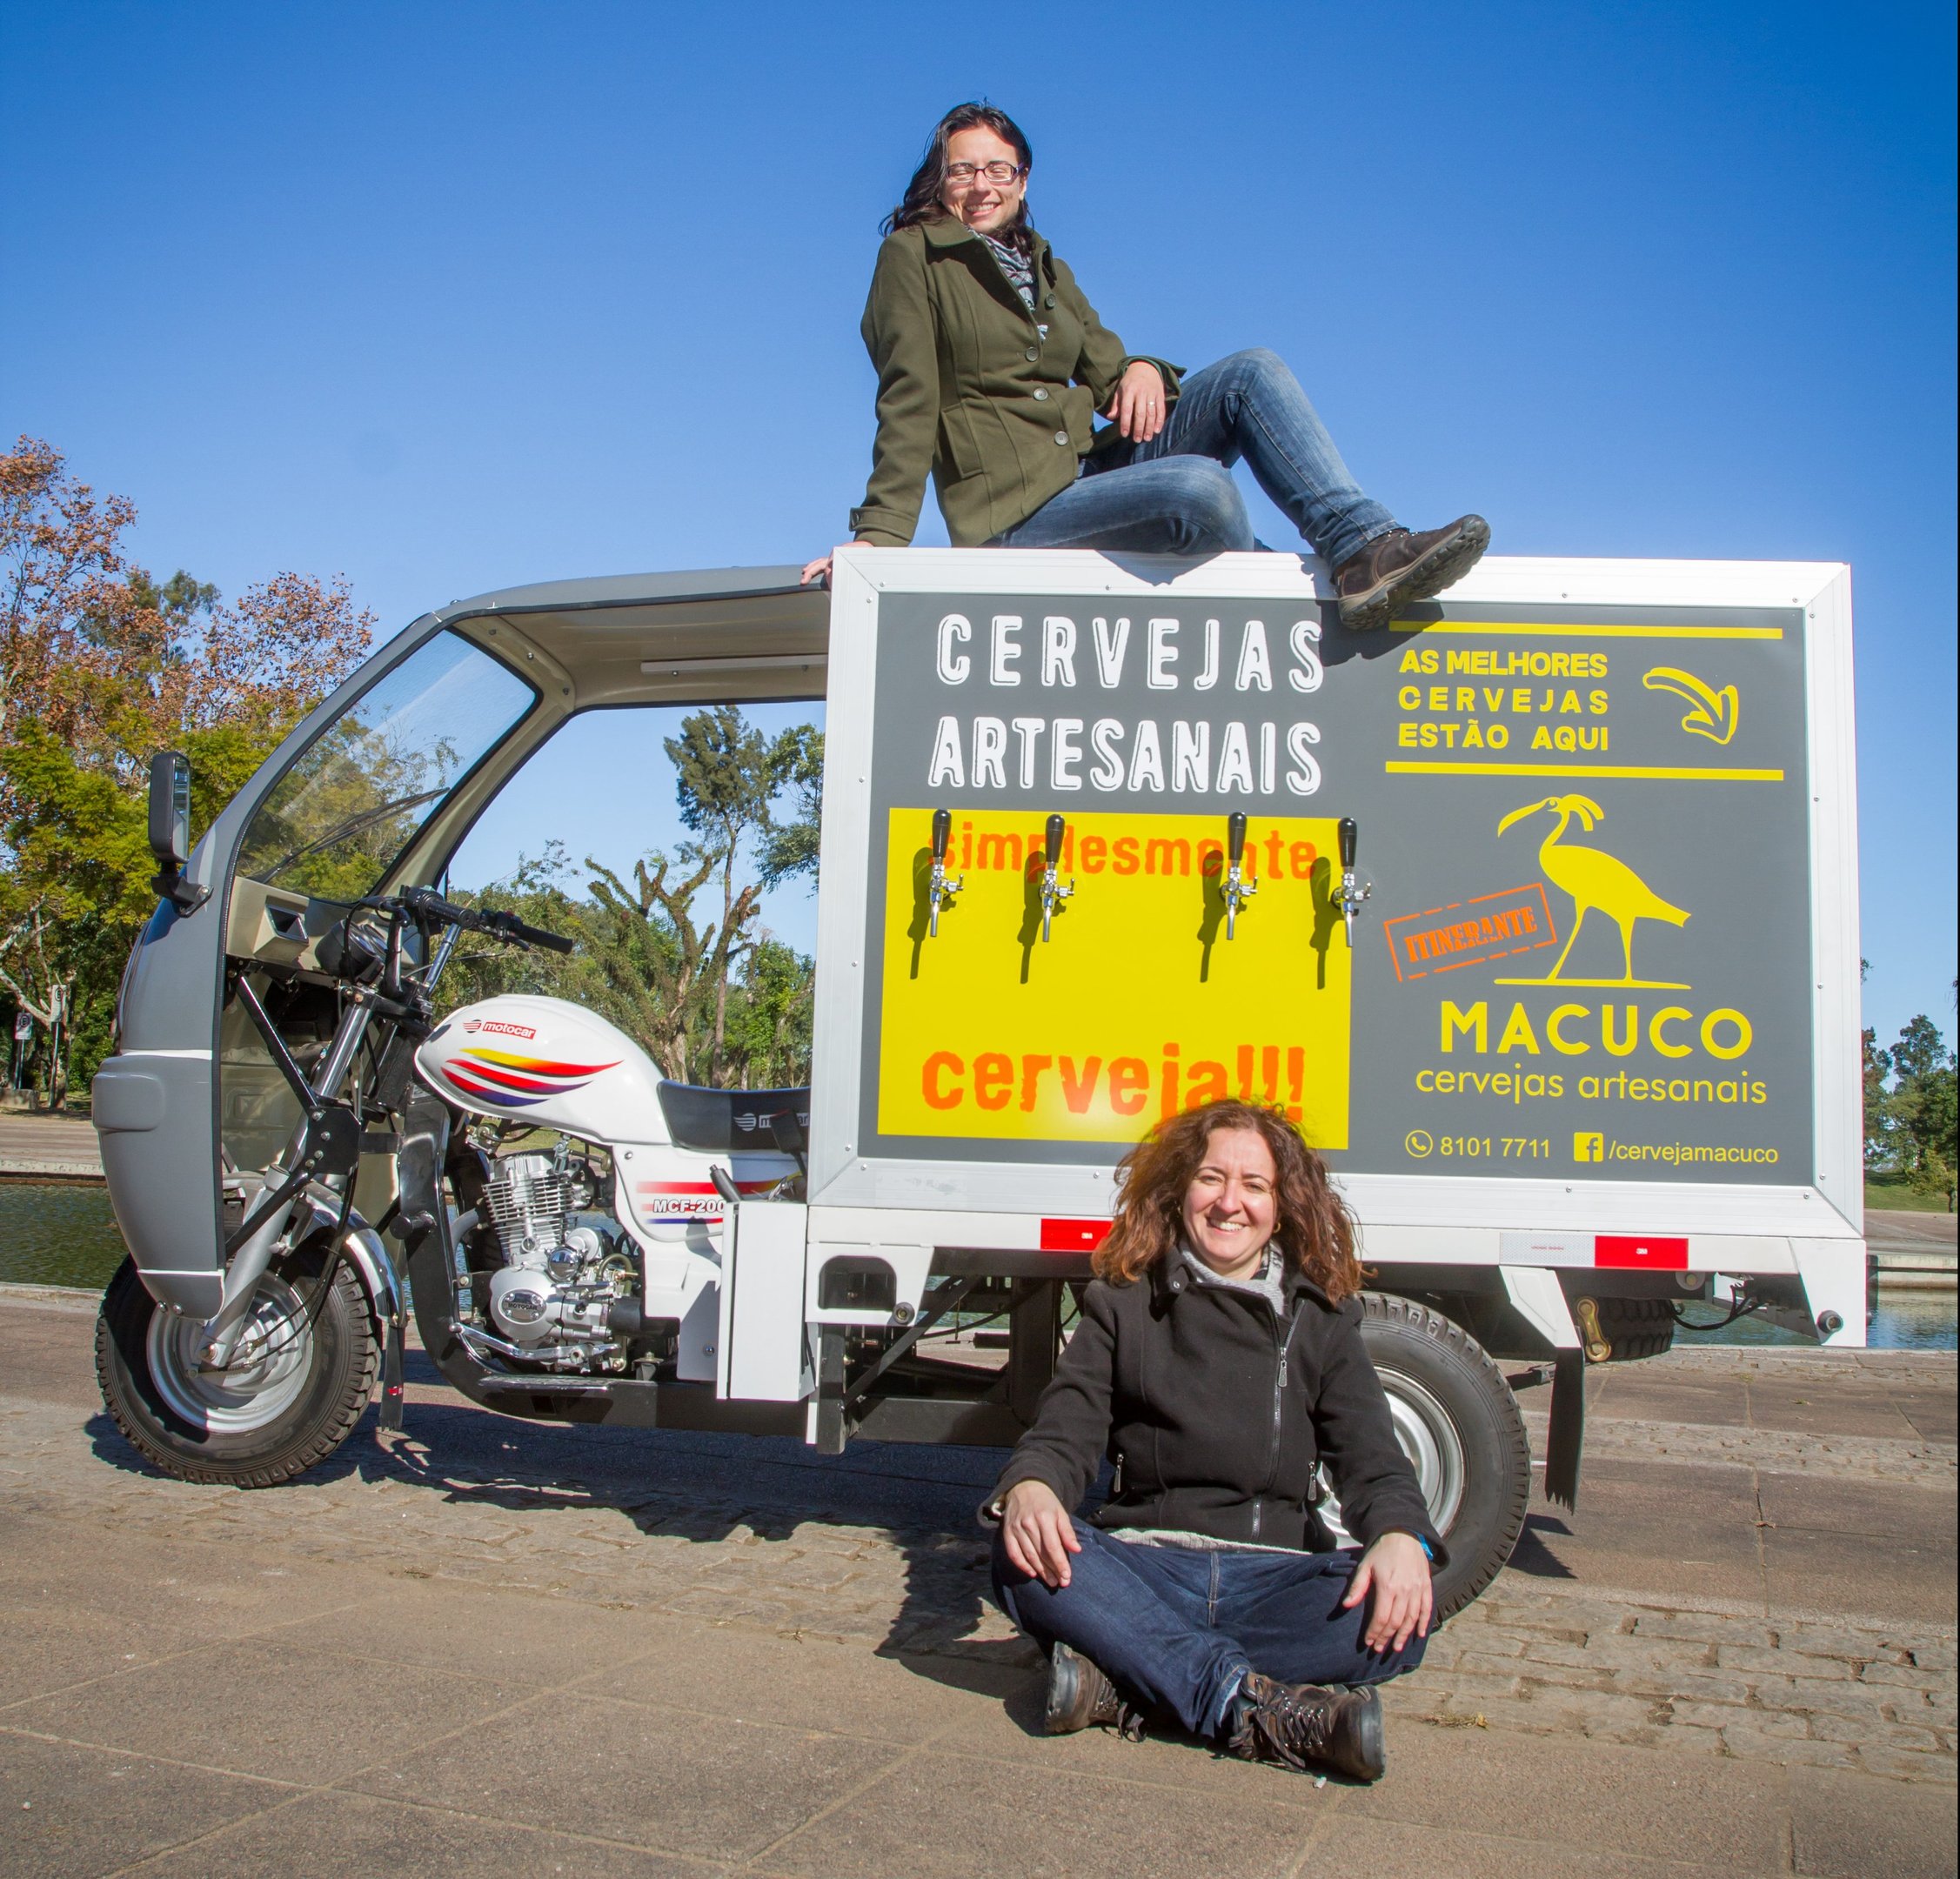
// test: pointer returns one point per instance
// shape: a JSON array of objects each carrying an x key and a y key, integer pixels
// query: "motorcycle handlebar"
[
  {"x": 431, "y": 905},
  {"x": 509, "y": 927}
]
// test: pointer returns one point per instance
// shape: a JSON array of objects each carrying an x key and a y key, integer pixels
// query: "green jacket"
[{"x": 969, "y": 389}]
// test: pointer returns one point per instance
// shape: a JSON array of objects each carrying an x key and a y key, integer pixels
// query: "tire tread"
[
  {"x": 319, "y": 1444},
  {"x": 1408, "y": 1314}
]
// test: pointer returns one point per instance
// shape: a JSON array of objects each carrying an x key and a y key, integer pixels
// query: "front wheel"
[
  {"x": 299, "y": 1380},
  {"x": 1458, "y": 1423}
]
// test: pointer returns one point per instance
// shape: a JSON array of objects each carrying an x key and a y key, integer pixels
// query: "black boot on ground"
[
  {"x": 1302, "y": 1723},
  {"x": 1398, "y": 569},
  {"x": 1080, "y": 1696}
]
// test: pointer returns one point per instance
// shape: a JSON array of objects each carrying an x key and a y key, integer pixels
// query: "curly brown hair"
[{"x": 1313, "y": 1228}]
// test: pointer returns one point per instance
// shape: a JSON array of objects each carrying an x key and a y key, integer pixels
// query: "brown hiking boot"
[
  {"x": 1398, "y": 568},
  {"x": 1301, "y": 1723},
  {"x": 1080, "y": 1696}
]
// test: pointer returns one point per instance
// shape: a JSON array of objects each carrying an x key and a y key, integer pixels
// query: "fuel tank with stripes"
[{"x": 549, "y": 1064}]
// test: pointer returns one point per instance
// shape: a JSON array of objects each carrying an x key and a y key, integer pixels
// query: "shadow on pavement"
[
  {"x": 1532, "y": 1556},
  {"x": 710, "y": 1489}
]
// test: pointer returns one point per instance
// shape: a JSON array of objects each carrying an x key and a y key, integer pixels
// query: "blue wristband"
[{"x": 1428, "y": 1551}]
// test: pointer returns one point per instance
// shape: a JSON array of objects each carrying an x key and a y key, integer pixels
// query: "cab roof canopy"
[{"x": 737, "y": 633}]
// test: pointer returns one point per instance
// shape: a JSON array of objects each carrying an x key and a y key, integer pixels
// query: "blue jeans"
[
  {"x": 1174, "y": 495},
  {"x": 1179, "y": 1628}
]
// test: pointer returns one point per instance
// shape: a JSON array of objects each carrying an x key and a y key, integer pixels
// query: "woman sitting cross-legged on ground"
[
  {"x": 992, "y": 365},
  {"x": 1218, "y": 1362}
]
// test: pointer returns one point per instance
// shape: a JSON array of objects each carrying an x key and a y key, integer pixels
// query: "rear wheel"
[
  {"x": 1458, "y": 1423},
  {"x": 300, "y": 1378}
]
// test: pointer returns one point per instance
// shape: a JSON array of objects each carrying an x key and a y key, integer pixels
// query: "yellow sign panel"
[{"x": 1137, "y": 1004}]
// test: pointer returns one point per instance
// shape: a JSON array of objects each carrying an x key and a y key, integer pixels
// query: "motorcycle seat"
[{"x": 736, "y": 1121}]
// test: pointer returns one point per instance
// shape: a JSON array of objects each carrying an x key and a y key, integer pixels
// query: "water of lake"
[
  {"x": 58, "y": 1234},
  {"x": 66, "y": 1235}
]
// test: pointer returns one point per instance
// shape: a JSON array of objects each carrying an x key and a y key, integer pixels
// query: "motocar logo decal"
[{"x": 510, "y": 1082}]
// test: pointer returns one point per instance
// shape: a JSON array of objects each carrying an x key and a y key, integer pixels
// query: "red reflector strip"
[
  {"x": 1073, "y": 1235},
  {"x": 1640, "y": 1249}
]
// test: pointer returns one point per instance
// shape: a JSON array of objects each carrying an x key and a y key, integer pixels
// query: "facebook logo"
[{"x": 1588, "y": 1146}]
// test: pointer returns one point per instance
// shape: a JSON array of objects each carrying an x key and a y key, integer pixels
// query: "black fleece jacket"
[{"x": 1216, "y": 1414}]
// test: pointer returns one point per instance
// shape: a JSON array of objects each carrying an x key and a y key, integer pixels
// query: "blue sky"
[{"x": 449, "y": 297}]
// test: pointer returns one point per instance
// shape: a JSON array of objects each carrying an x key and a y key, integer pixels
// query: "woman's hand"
[
  {"x": 1038, "y": 1533},
  {"x": 818, "y": 569},
  {"x": 1398, "y": 1570},
  {"x": 1138, "y": 404}
]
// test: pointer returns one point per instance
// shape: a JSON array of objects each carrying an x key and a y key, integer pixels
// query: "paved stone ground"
[
  {"x": 1902, "y": 1228},
  {"x": 511, "y": 1648},
  {"x": 47, "y": 1145}
]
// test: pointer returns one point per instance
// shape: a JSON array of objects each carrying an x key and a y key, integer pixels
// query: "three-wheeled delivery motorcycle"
[{"x": 303, "y": 1144}]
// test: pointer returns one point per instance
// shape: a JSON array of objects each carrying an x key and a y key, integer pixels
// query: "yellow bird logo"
[
  {"x": 1595, "y": 878},
  {"x": 1712, "y": 714}
]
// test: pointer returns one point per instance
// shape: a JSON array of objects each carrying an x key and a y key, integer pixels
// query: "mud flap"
[
  {"x": 423, "y": 1225},
  {"x": 1568, "y": 1434},
  {"x": 388, "y": 1419}
]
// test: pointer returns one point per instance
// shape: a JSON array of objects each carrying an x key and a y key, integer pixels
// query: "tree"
[
  {"x": 1923, "y": 1107},
  {"x": 101, "y": 664},
  {"x": 721, "y": 765},
  {"x": 727, "y": 778},
  {"x": 789, "y": 847},
  {"x": 670, "y": 970},
  {"x": 645, "y": 962},
  {"x": 1877, "y": 1066},
  {"x": 769, "y": 1031},
  {"x": 61, "y": 569},
  {"x": 1909, "y": 1109}
]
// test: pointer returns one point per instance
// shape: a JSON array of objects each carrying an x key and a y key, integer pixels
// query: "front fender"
[{"x": 365, "y": 1253}]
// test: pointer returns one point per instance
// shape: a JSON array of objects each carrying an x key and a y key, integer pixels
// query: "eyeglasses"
[{"x": 999, "y": 174}]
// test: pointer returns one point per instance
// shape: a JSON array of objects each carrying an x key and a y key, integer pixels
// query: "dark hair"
[
  {"x": 922, "y": 201},
  {"x": 1314, "y": 1227}
]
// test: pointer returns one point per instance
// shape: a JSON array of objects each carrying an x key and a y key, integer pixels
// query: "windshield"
[{"x": 357, "y": 795}]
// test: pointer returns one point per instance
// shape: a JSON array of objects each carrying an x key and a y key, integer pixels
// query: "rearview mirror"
[
  {"x": 170, "y": 810},
  {"x": 170, "y": 830}
]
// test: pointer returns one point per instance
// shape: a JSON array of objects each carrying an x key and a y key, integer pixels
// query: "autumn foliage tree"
[{"x": 101, "y": 664}]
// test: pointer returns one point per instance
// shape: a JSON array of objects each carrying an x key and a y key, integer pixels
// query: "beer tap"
[
  {"x": 1353, "y": 891},
  {"x": 1052, "y": 890},
  {"x": 942, "y": 890},
  {"x": 1238, "y": 889}
]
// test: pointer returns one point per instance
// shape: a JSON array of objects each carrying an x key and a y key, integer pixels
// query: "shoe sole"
[
  {"x": 1441, "y": 567},
  {"x": 1065, "y": 1683},
  {"x": 1368, "y": 1740}
]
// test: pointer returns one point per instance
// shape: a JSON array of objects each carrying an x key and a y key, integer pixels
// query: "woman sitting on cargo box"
[
  {"x": 990, "y": 366},
  {"x": 1218, "y": 1362}
]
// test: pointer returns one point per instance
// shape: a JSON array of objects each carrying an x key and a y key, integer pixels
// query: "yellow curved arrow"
[{"x": 1715, "y": 714}]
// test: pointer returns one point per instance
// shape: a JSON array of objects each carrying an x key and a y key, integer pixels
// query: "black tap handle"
[
  {"x": 1056, "y": 825},
  {"x": 1347, "y": 833},
  {"x": 942, "y": 830},
  {"x": 1235, "y": 836}
]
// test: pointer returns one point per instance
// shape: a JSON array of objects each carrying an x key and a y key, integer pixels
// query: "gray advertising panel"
[{"x": 1587, "y": 950}]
